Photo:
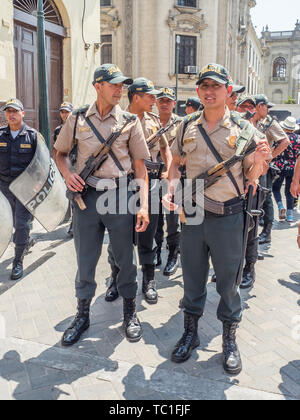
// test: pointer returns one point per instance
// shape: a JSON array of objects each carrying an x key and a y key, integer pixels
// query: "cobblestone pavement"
[{"x": 35, "y": 311}]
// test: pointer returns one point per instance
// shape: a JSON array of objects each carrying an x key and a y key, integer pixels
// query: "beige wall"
[
  {"x": 78, "y": 64},
  {"x": 7, "y": 63}
]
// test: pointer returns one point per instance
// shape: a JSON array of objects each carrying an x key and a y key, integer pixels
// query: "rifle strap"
[
  {"x": 103, "y": 141},
  {"x": 218, "y": 157}
]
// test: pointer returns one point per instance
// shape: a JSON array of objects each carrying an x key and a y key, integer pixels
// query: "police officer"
[
  {"x": 278, "y": 141},
  {"x": 94, "y": 125},
  {"x": 17, "y": 147},
  {"x": 220, "y": 235},
  {"x": 142, "y": 98},
  {"x": 248, "y": 103},
  {"x": 166, "y": 102},
  {"x": 65, "y": 110},
  {"x": 192, "y": 105},
  {"x": 232, "y": 100}
]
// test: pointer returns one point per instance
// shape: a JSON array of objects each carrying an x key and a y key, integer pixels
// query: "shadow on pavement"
[
  {"x": 7, "y": 284},
  {"x": 294, "y": 285},
  {"x": 290, "y": 385}
]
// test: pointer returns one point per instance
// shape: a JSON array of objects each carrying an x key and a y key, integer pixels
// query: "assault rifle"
[
  {"x": 95, "y": 162},
  {"x": 246, "y": 145},
  {"x": 152, "y": 140}
]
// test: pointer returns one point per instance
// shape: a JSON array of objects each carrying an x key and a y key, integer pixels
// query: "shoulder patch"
[
  {"x": 237, "y": 118},
  {"x": 153, "y": 115},
  {"x": 192, "y": 117},
  {"x": 129, "y": 116},
  {"x": 81, "y": 110}
]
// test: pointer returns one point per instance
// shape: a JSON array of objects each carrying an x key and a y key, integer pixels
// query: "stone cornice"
[{"x": 186, "y": 22}]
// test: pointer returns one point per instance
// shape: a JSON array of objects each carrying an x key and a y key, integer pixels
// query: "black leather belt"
[
  {"x": 231, "y": 207},
  {"x": 117, "y": 181}
]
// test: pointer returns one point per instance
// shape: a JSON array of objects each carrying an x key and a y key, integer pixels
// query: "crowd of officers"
[{"x": 191, "y": 145}]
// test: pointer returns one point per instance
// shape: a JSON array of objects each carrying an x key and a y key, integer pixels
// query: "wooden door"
[{"x": 27, "y": 74}]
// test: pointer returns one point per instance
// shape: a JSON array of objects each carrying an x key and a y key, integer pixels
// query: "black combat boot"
[
  {"x": 265, "y": 236},
  {"x": 231, "y": 356},
  {"x": 131, "y": 324},
  {"x": 158, "y": 261},
  {"x": 112, "y": 292},
  {"x": 172, "y": 263},
  {"x": 248, "y": 276},
  {"x": 80, "y": 324},
  {"x": 189, "y": 341},
  {"x": 17, "y": 270},
  {"x": 149, "y": 284}
]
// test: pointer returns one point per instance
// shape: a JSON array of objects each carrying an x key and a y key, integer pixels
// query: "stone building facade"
[
  {"x": 255, "y": 80},
  {"x": 140, "y": 36},
  {"x": 282, "y": 64},
  {"x": 73, "y": 53}
]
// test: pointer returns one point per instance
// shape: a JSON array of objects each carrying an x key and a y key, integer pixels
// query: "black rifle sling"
[
  {"x": 103, "y": 141},
  {"x": 218, "y": 157}
]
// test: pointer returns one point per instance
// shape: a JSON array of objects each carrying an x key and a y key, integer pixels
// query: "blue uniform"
[{"x": 15, "y": 156}]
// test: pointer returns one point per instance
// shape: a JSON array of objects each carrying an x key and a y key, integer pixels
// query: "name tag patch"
[
  {"x": 188, "y": 141},
  {"x": 3, "y": 144},
  {"x": 25, "y": 146},
  {"x": 84, "y": 129}
]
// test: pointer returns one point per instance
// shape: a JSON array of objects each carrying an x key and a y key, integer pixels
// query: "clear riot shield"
[
  {"x": 41, "y": 189},
  {"x": 6, "y": 225}
]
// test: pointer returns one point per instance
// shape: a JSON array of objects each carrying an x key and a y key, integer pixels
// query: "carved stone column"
[{"x": 128, "y": 36}]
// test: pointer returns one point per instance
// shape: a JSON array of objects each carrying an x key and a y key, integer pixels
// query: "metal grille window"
[
  {"x": 106, "y": 49},
  {"x": 187, "y": 52},
  {"x": 52, "y": 15},
  {"x": 187, "y": 3},
  {"x": 279, "y": 68}
]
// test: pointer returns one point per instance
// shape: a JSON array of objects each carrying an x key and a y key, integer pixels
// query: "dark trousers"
[
  {"x": 173, "y": 229},
  {"x": 89, "y": 229},
  {"x": 222, "y": 239},
  {"x": 252, "y": 245},
  {"x": 266, "y": 181},
  {"x": 288, "y": 178},
  {"x": 145, "y": 240},
  {"x": 22, "y": 219}
]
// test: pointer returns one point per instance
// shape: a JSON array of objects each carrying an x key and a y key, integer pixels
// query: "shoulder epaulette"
[
  {"x": 81, "y": 110},
  {"x": 238, "y": 119},
  {"x": 192, "y": 117},
  {"x": 153, "y": 115},
  {"x": 129, "y": 115}
]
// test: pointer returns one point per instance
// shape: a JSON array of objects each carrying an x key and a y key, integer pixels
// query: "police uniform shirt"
[
  {"x": 275, "y": 134},
  {"x": 131, "y": 145},
  {"x": 171, "y": 134},
  {"x": 151, "y": 125},
  {"x": 16, "y": 153},
  {"x": 199, "y": 158}
]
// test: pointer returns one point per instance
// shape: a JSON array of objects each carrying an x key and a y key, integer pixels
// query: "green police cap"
[
  {"x": 112, "y": 74},
  {"x": 66, "y": 106},
  {"x": 215, "y": 72},
  {"x": 193, "y": 102},
  {"x": 262, "y": 99},
  {"x": 142, "y": 85},
  {"x": 13, "y": 103},
  {"x": 246, "y": 98},
  {"x": 167, "y": 93}
]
